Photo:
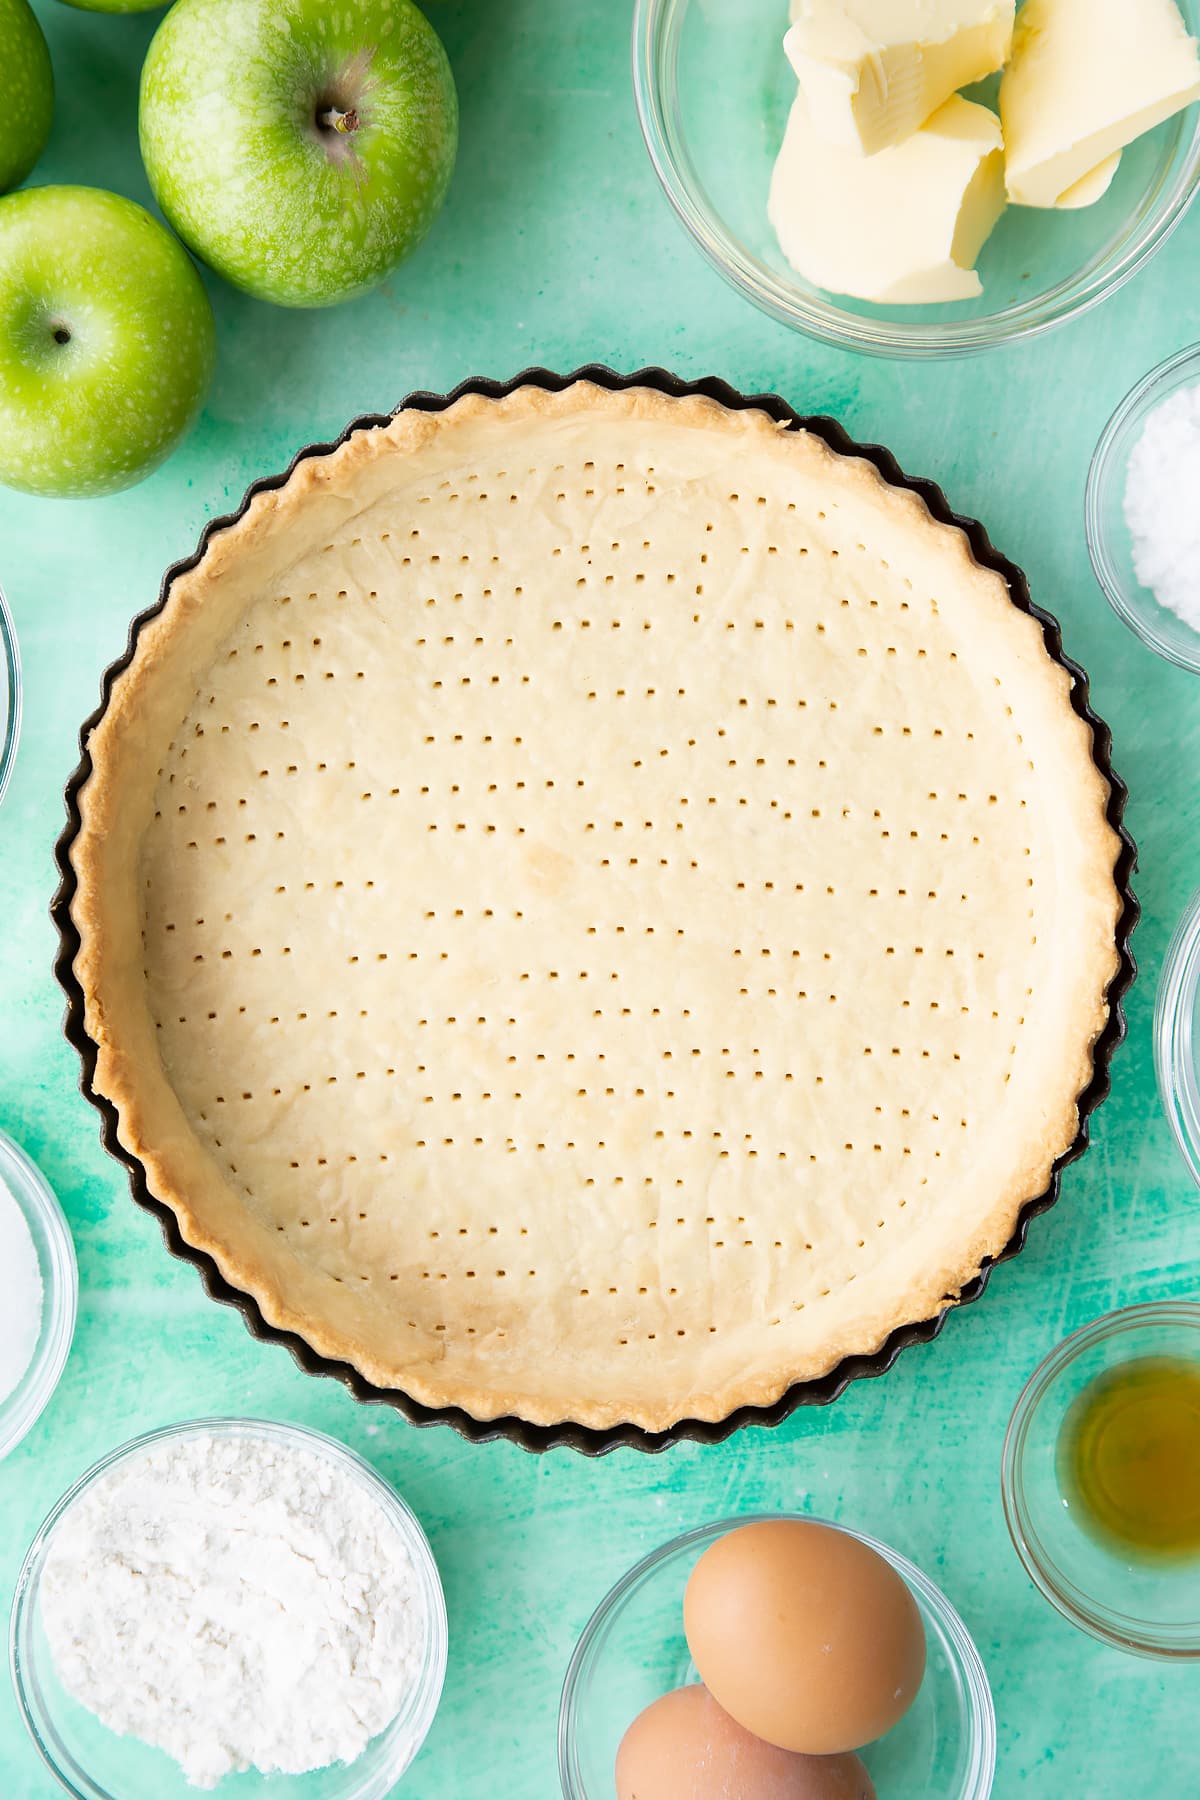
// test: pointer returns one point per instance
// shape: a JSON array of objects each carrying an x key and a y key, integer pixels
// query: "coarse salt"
[
  {"x": 1162, "y": 504},
  {"x": 21, "y": 1313}
]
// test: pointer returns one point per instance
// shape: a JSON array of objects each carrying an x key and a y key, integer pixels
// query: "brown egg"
[
  {"x": 684, "y": 1747},
  {"x": 808, "y": 1638}
]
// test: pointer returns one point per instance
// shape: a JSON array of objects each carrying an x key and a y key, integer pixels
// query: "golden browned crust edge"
[{"x": 153, "y": 1140}]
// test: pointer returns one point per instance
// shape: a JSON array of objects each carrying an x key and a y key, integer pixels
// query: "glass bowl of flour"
[
  {"x": 37, "y": 1320},
  {"x": 230, "y": 1606},
  {"x": 1142, "y": 509}
]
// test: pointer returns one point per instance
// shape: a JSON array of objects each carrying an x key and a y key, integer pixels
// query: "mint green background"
[{"x": 556, "y": 246}]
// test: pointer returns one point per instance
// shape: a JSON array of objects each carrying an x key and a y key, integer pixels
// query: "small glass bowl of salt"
[
  {"x": 1142, "y": 509},
  {"x": 41, "y": 1291}
]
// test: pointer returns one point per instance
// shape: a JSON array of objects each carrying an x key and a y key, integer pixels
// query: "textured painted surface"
[{"x": 556, "y": 246}]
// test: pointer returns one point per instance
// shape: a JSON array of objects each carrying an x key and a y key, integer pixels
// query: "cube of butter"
[
  {"x": 873, "y": 71},
  {"x": 1086, "y": 78},
  {"x": 903, "y": 227}
]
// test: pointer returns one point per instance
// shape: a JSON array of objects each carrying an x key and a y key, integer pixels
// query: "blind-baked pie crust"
[{"x": 593, "y": 906}]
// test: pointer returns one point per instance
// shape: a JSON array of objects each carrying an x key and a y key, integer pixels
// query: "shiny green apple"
[
  {"x": 301, "y": 148},
  {"x": 26, "y": 92},
  {"x": 107, "y": 341},
  {"x": 116, "y": 6}
]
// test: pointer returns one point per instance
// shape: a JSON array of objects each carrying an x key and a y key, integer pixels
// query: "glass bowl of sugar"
[
  {"x": 1141, "y": 511},
  {"x": 41, "y": 1291},
  {"x": 1177, "y": 1036}
]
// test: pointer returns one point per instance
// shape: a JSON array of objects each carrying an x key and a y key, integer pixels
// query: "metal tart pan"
[{"x": 590, "y": 1441}]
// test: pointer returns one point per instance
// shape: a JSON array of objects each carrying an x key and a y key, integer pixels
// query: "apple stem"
[{"x": 332, "y": 118}]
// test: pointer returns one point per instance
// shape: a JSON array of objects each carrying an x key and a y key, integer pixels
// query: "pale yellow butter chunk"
[
  {"x": 1086, "y": 78},
  {"x": 1092, "y": 187},
  {"x": 873, "y": 71},
  {"x": 901, "y": 228}
]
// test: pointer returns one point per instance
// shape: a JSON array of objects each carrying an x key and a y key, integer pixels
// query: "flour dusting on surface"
[{"x": 238, "y": 1602}]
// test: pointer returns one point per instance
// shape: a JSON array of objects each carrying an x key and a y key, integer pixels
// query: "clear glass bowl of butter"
[{"x": 714, "y": 91}]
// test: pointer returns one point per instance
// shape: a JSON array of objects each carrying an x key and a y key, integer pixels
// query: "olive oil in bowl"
[{"x": 1129, "y": 1457}]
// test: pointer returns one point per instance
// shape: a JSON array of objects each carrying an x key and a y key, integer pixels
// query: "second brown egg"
[{"x": 684, "y": 1747}]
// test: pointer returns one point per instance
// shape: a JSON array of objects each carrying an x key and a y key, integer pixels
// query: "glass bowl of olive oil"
[{"x": 1101, "y": 1479}]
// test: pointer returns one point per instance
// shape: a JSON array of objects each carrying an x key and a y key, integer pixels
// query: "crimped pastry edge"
[{"x": 116, "y": 1081}]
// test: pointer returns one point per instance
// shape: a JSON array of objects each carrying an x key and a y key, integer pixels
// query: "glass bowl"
[
  {"x": 1176, "y": 1038},
  {"x": 1109, "y": 543},
  {"x": 713, "y": 89},
  {"x": 10, "y": 694},
  {"x": 93, "y": 1763},
  {"x": 633, "y": 1649},
  {"x": 1147, "y": 1607},
  {"x": 60, "y": 1290}
]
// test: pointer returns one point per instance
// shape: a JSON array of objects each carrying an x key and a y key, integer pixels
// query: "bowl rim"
[
  {"x": 981, "y": 1713},
  {"x": 40, "y": 1207},
  {"x": 655, "y": 40},
  {"x": 1174, "y": 1010},
  {"x": 591, "y": 1440},
  {"x": 10, "y": 672},
  {"x": 1118, "y": 1630},
  {"x": 1104, "y": 567},
  {"x": 426, "y": 1690}
]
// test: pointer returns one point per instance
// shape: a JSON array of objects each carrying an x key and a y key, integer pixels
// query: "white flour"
[
  {"x": 21, "y": 1314},
  {"x": 1162, "y": 504},
  {"x": 239, "y": 1603}
]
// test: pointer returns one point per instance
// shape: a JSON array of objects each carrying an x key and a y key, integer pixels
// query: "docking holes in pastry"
[{"x": 596, "y": 902}]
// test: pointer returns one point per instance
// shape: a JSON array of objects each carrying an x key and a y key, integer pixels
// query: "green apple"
[
  {"x": 107, "y": 341},
  {"x": 116, "y": 6},
  {"x": 301, "y": 148},
  {"x": 26, "y": 92}
]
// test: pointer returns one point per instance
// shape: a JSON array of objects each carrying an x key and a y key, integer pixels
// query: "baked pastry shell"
[{"x": 592, "y": 1441}]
